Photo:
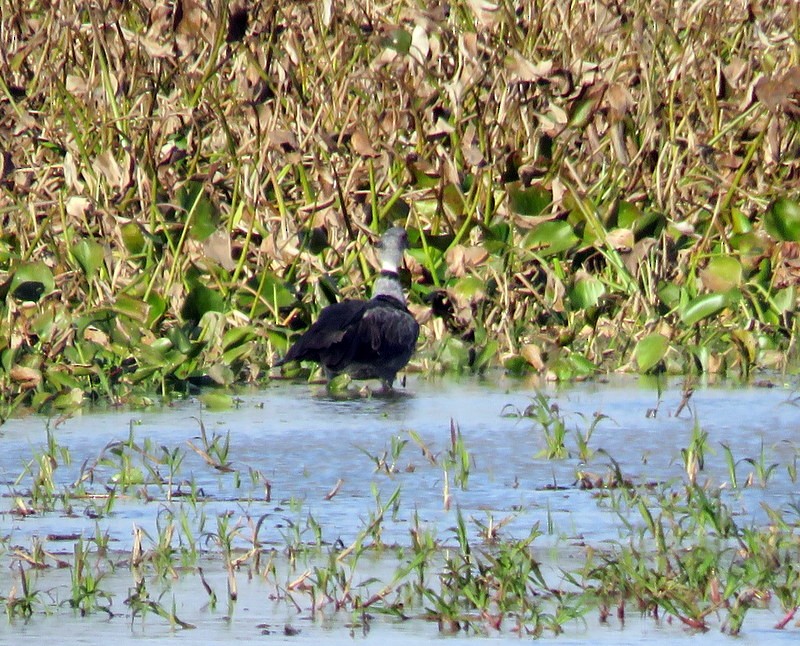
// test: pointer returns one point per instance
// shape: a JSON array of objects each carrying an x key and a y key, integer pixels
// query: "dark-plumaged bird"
[{"x": 371, "y": 339}]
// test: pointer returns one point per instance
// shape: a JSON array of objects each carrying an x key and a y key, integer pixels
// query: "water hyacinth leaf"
[
  {"x": 747, "y": 344},
  {"x": 221, "y": 374},
  {"x": 199, "y": 301},
  {"x": 236, "y": 353},
  {"x": 469, "y": 287},
  {"x": 237, "y": 336},
  {"x": 278, "y": 340},
  {"x": 453, "y": 199},
  {"x": 180, "y": 341},
  {"x": 741, "y": 223},
  {"x": 158, "y": 307},
  {"x": 582, "y": 112},
  {"x": 132, "y": 238},
  {"x": 550, "y": 238},
  {"x": 274, "y": 292},
  {"x": 722, "y": 273},
  {"x": 516, "y": 365},
  {"x": 782, "y": 220},
  {"x": 574, "y": 365},
  {"x": 161, "y": 346},
  {"x": 193, "y": 199},
  {"x": 89, "y": 255},
  {"x": 485, "y": 356},
  {"x": 70, "y": 399},
  {"x": 61, "y": 379},
  {"x": 528, "y": 201},
  {"x": 399, "y": 40},
  {"x": 648, "y": 223},
  {"x": 586, "y": 292},
  {"x": 650, "y": 350},
  {"x": 131, "y": 307},
  {"x": 785, "y": 299},
  {"x": 627, "y": 214},
  {"x": 707, "y": 305},
  {"x": 30, "y": 281}
]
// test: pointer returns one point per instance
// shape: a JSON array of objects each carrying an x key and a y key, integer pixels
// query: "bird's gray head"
[{"x": 391, "y": 247}]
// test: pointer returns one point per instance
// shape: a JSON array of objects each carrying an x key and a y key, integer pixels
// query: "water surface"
[{"x": 291, "y": 444}]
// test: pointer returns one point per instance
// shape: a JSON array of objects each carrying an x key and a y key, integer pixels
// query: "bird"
[{"x": 366, "y": 339}]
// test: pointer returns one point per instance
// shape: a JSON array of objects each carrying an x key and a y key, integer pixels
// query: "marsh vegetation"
[{"x": 588, "y": 188}]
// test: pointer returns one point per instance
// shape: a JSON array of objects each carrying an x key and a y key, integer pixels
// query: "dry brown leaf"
[
  {"x": 106, "y": 165},
  {"x": 420, "y": 45},
  {"x": 26, "y": 377},
  {"x": 96, "y": 336},
  {"x": 522, "y": 69},
  {"x": 460, "y": 259},
  {"x": 486, "y": 12},
  {"x": 620, "y": 239},
  {"x": 218, "y": 247},
  {"x": 637, "y": 255},
  {"x": 533, "y": 355},
  {"x": 362, "y": 144},
  {"x": 781, "y": 93},
  {"x": 77, "y": 206},
  {"x": 284, "y": 139},
  {"x": 619, "y": 101}
]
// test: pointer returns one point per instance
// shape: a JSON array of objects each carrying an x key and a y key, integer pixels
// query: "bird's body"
[{"x": 371, "y": 339}]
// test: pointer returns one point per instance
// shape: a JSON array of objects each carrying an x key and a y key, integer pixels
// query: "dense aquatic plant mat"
[{"x": 587, "y": 188}]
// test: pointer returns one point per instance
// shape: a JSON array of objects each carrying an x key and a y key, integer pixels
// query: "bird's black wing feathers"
[
  {"x": 335, "y": 322},
  {"x": 386, "y": 330}
]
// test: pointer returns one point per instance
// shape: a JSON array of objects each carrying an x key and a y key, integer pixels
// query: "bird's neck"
[{"x": 388, "y": 284}]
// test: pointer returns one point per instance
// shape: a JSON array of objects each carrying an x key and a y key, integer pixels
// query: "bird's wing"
[
  {"x": 386, "y": 331},
  {"x": 331, "y": 328}
]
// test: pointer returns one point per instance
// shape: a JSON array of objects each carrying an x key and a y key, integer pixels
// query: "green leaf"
[
  {"x": 722, "y": 273},
  {"x": 550, "y": 238},
  {"x": 132, "y": 238},
  {"x": 650, "y": 351},
  {"x": 236, "y": 336},
  {"x": 627, "y": 214},
  {"x": 131, "y": 307},
  {"x": 158, "y": 306},
  {"x": 216, "y": 401},
  {"x": 273, "y": 291},
  {"x": 670, "y": 294},
  {"x": 586, "y": 292},
  {"x": 201, "y": 300},
  {"x": 469, "y": 287},
  {"x": 193, "y": 199},
  {"x": 528, "y": 201},
  {"x": 707, "y": 305},
  {"x": 485, "y": 355},
  {"x": 782, "y": 220},
  {"x": 582, "y": 111},
  {"x": 784, "y": 299},
  {"x": 89, "y": 255},
  {"x": 399, "y": 40},
  {"x": 30, "y": 281}
]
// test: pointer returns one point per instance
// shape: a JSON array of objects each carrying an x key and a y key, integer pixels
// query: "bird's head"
[{"x": 391, "y": 247}]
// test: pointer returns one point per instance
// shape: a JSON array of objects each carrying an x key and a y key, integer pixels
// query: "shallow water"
[{"x": 301, "y": 442}]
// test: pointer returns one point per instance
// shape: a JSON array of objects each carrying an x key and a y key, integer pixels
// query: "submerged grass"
[{"x": 587, "y": 187}]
